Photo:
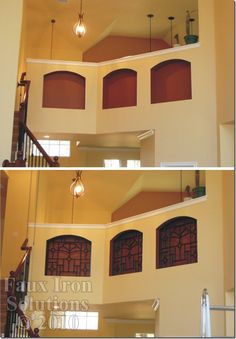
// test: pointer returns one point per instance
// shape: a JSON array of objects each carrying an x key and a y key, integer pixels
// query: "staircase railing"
[
  {"x": 29, "y": 151},
  {"x": 18, "y": 325}
]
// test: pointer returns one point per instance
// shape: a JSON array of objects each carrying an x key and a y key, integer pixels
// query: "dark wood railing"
[
  {"x": 29, "y": 151},
  {"x": 18, "y": 324}
]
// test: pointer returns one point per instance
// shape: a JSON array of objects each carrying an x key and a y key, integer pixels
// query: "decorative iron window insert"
[
  {"x": 177, "y": 242},
  {"x": 68, "y": 255},
  {"x": 126, "y": 252}
]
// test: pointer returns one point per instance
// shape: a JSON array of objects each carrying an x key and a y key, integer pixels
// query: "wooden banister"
[{"x": 29, "y": 151}]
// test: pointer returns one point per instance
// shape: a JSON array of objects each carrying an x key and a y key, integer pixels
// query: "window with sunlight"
[
  {"x": 73, "y": 320},
  {"x": 60, "y": 148},
  {"x": 133, "y": 164},
  {"x": 111, "y": 163}
]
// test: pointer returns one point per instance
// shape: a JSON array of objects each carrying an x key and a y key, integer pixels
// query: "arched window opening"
[
  {"x": 68, "y": 255},
  {"x": 126, "y": 252},
  {"x": 120, "y": 89},
  {"x": 171, "y": 81},
  {"x": 64, "y": 89},
  {"x": 177, "y": 242}
]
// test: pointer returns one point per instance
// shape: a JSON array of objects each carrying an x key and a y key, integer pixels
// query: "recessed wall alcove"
[
  {"x": 120, "y": 89},
  {"x": 171, "y": 81},
  {"x": 64, "y": 89}
]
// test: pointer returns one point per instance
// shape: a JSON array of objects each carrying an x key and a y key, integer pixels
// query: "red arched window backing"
[
  {"x": 126, "y": 252},
  {"x": 68, "y": 255},
  {"x": 177, "y": 242},
  {"x": 171, "y": 81},
  {"x": 120, "y": 89},
  {"x": 64, "y": 89}
]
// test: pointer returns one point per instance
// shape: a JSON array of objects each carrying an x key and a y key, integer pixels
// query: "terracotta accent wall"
[
  {"x": 145, "y": 202},
  {"x": 113, "y": 47},
  {"x": 64, "y": 90},
  {"x": 120, "y": 89},
  {"x": 171, "y": 81}
]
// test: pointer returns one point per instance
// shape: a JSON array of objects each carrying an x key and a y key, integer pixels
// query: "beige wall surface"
[
  {"x": 181, "y": 285},
  {"x": 174, "y": 286},
  {"x": 183, "y": 129},
  {"x": 48, "y": 120},
  {"x": 19, "y": 201},
  {"x": 228, "y": 220},
  {"x": 224, "y": 32},
  {"x": 10, "y": 30}
]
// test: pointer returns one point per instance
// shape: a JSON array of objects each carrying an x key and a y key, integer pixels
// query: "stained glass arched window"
[
  {"x": 68, "y": 255},
  {"x": 177, "y": 242},
  {"x": 126, "y": 252}
]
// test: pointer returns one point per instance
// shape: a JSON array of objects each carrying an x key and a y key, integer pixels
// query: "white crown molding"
[
  {"x": 122, "y": 221},
  {"x": 115, "y": 61}
]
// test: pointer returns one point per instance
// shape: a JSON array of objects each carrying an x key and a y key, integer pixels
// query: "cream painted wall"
[
  {"x": 175, "y": 286},
  {"x": 228, "y": 220},
  {"x": 181, "y": 285},
  {"x": 19, "y": 200},
  {"x": 183, "y": 129},
  {"x": 48, "y": 120},
  {"x": 224, "y": 30},
  {"x": 10, "y": 30},
  {"x": 94, "y": 157},
  {"x": 227, "y": 145}
]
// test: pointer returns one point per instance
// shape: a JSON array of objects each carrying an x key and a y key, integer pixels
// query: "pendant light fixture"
[
  {"x": 77, "y": 186},
  {"x": 79, "y": 27}
]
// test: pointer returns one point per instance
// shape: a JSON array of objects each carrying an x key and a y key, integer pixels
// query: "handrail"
[
  {"x": 21, "y": 264},
  {"x": 16, "y": 316},
  {"x": 27, "y": 143}
]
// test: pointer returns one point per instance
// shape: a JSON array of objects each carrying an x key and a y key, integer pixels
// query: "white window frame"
[
  {"x": 179, "y": 164},
  {"x": 60, "y": 144},
  {"x": 74, "y": 320},
  {"x": 136, "y": 163},
  {"x": 112, "y": 163}
]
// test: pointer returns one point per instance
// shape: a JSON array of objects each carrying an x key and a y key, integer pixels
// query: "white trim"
[
  {"x": 179, "y": 164},
  {"x": 123, "y": 221},
  {"x": 68, "y": 226},
  {"x": 110, "y": 62},
  {"x": 61, "y": 62},
  {"x": 129, "y": 321}
]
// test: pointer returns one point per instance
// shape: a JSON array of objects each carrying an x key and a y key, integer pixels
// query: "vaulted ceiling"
[{"x": 102, "y": 18}]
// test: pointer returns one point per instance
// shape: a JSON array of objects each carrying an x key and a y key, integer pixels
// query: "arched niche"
[
  {"x": 171, "y": 81},
  {"x": 120, "y": 89},
  {"x": 63, "y": 89}
]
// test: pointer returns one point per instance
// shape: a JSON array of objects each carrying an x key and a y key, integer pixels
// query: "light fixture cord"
[
  {"x": 72, "y": 212},
  {"x": 52, "y": 35},
  {"x": 150, "y": 35},
  {"x": 81, "y": 6}
]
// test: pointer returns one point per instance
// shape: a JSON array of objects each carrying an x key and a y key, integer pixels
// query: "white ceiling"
[{"x": 102, "y": 18}]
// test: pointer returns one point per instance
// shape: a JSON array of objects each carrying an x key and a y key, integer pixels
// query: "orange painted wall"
[
  {"x": 144, "y": 202},
  {"x": 113, "y": 47}
]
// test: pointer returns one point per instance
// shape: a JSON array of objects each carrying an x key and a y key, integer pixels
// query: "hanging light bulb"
[
  {"x": 77, "y": 187},
  {"x": 79, "y": 27}
]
